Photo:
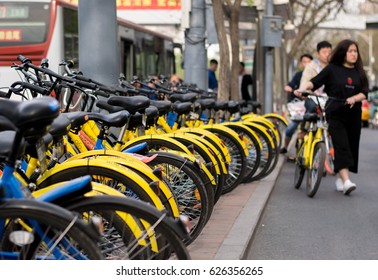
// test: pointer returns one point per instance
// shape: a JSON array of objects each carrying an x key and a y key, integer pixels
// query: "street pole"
[
  {"x": 98, "y": 48},
  {"x": 268, "y": 69},
  {"x": 195, "y": 56}
]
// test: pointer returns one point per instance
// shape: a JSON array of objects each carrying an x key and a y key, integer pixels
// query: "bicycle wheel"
[
  {"x": 194, "y": 198},
  {"x": 205, "y": 152},
  {"x": 299, "y": 169},
  {"x": 278, "y": 122},
  {"x": 315, "y": 172},
  {"x": 238, "y": 165},
  {"x": 273, "y": 140},
  {"x": 267, "y": 158},
  {"x": 131, "y": 185},
  {"x": 330, "y": 156},
  {"x": 43, "y": 231},
  {"x": 119, "y": 241},
  {"x": 251, "y": 140}
]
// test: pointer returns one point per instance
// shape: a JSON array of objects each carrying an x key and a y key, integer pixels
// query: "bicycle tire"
[
  {"x": 253, "y": 158},
  {"x": 299, "y": 169},
  {"x": 315, "y": 172},
  {"x": 21, "y": 214},
  {"x": 266, "y": 153},
  {"x": 195, "y": 197},
  {"x": 164, "y": 228},
  {"x": 279, "y": 123},
  {"x": 238, "y": 163},
  {"x": 273, "y": 139},
  {"x": 330, "y": 157}
]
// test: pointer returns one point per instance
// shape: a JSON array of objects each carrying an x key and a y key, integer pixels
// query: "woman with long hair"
[{"x": 344, "y": 79}]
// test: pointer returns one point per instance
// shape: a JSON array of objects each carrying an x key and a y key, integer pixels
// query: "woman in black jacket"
[{"x": 344, "y": 78}]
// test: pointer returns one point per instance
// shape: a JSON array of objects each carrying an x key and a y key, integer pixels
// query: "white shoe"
[
  {"x": 339, "y": 185},
  {"x": 349, "y": 186}
]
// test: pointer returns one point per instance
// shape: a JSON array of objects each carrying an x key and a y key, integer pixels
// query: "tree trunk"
[
  {"x": 224, "y": 62},
  {"x": 235, "y": 64}
]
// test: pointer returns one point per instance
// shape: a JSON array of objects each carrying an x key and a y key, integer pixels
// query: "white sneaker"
[
  {"x": 339, "y": 185},
  {"x": 349, "y": 186}
]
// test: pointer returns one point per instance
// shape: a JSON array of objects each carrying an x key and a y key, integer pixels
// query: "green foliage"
[{"x": 250, "y": 2}]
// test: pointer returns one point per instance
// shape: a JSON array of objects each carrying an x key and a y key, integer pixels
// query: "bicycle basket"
[{"x": 296, "y": 109}]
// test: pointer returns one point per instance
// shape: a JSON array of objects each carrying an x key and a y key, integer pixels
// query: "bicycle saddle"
[
  {"x": 33, "y": 116},
  {"x": 77, "y": 118},
  {"x": 132, "y": 104},
  {"x": 163, "y": 106},
  {"x": 310, "y": 117},
  {"x": 206, "y": 103},
  {"x": 136, "y": 120},
  {"x": 186, "y": 97},
  {"x": 233, "y": 106},
  {"x": 183, "y": 108},
  {"x": 116, "y": 119},
  {"x": 220, "y": 105},
  {"x": 60, "y": 126},
  {"x": 102, "y": 104}
]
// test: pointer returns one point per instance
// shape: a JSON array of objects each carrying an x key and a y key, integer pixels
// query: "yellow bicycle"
[{"x": 311, "y": 151}]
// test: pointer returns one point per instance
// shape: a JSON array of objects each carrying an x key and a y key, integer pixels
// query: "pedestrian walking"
[
  {"x": 343, "y": 78},
  {"x": 289, "y": 89},
  {"x": 213, "y": 82},
  {"x": 245, "y": 83}
]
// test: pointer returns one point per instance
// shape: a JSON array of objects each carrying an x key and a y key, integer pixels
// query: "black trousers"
[{"x": 345, "y": 130}]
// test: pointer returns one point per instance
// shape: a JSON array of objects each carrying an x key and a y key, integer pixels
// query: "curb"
[{"x": 239, "y": 239}]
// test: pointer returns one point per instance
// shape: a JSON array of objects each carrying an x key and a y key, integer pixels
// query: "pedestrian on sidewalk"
[{"x": 343, "y": 78}]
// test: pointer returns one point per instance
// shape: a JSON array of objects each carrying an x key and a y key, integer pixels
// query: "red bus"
[{"x": 49, "y": 29}]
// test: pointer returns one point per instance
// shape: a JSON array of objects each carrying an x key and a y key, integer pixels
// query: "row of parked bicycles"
[{"x": 91, "y": 171}]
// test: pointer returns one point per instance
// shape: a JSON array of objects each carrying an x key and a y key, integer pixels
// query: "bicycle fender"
[
  {"x": 213, "y": 150},
  {"x": 132, "y": 162},
  {"x": 214, "y": 138},
  {"x": 277, "y": 116},
  {"x": 313, "y": 148},
  {"x": 192, "y": 139},
  {"x": 150, "y": 138},
  {"x": 105, "y": 164},
  {"x": 136, "y": 148},
  {"x": 262, "y": 129},
  {"x": 228, "y": 131},
  {"x": 238, "y": 124}
]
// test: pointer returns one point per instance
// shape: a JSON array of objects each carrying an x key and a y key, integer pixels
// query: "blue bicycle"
[{"x": 31, "y": 229}]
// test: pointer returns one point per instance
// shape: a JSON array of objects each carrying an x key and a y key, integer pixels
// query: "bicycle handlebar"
[
  {"x": 22, "y": 85},
  {"x": 27, "y": 63},
  {"x": 323, "y": 95}
]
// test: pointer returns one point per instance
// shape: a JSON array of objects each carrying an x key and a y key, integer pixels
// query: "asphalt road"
[{"x": 330, "y": 226}]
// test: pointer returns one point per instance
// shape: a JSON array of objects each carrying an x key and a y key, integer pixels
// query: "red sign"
[
  {"x": 149, "y": 4},
  {"x": 142, "y": 4},
  {"x": 10, "y": 35}
]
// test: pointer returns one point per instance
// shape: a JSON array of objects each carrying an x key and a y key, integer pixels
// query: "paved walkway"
[{"x": 228, "y": 233}]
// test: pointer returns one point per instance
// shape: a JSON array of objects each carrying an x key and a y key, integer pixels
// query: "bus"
[{"x": 41, "y": 29}]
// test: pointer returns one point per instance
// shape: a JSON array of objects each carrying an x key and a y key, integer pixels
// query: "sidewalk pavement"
[{"x": 229, "y": 232}]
